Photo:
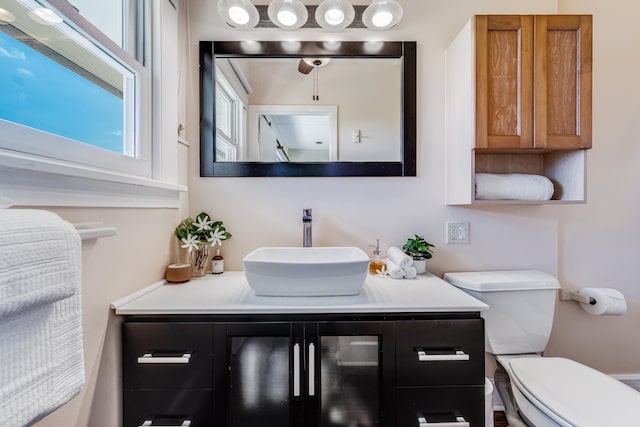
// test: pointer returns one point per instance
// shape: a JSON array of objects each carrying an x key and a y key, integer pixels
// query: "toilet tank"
[{"x": 521, "y": 307}]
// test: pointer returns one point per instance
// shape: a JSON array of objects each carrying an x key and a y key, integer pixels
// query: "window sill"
[{"x": 32, "y": 181}]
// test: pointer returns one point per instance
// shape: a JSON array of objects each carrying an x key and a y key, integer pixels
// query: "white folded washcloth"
[
  {"x": 410, "y": 273},
  {"x": 513, "y": 186},
  {"x": 399, "y": 258},
  {"x": 394, "y": 271}
]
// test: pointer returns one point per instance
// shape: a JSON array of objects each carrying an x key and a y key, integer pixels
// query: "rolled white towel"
[
  {"x": 394, "y": 271},
  {"x": 513, "y": 186},
  {"x": 399, "y": 258},
  {"x": 410, "y": 273}
]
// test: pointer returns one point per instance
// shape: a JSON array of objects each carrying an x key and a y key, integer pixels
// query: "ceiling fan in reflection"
[{"x": 307, "y": 65}]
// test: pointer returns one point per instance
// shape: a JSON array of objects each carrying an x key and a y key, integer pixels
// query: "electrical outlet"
[{"x": 457, "y": 233}]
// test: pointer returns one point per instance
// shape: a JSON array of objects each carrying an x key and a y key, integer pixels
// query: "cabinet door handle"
[
  {"x": 312, "y": 369},
  {"x": 457, "y": 355},
  {"x": 296, "y": 369},
  {"x": 150, "y": 358},
  {"x": 149, "y": 423},
  {"x": 459, "y": 422}
]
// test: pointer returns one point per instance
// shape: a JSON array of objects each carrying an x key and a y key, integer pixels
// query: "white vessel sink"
[{"x": 306, "y": 272}]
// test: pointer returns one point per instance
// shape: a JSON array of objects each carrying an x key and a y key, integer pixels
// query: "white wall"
[
  {"x": 585, "y": 245},
  {"x": 598, "y": 242}
]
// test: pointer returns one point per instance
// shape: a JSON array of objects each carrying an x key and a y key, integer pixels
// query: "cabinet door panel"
[
  {"x": 563, "y": 81},
  {"x": 167, "y": 354},
  {"x": 346, "y": 373},
  {"x": 504, "y": 82},
  {"x": 254, "y": 374},
  {"x": 168, "y": 407},
  {"x": 440, "y": 404},
  {"x": 440, "y": 352}
]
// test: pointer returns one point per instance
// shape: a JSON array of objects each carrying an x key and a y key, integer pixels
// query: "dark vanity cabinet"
[{"x": 307, "y": 370}]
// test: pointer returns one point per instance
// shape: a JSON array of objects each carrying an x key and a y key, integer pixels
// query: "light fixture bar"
[{"x": 265, "y": 22}]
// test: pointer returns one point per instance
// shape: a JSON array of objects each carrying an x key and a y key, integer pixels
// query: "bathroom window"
[{"x": 69, "y": 95}]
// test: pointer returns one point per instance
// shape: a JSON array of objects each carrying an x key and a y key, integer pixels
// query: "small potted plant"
[
  {"x": 420, "y": 250},
  {"x": 197, "y": 236}
]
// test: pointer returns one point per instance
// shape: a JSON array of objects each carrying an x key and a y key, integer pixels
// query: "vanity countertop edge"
[{"x": 229, "y": 293}]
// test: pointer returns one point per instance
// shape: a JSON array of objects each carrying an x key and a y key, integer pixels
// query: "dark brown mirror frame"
[{"x": 210, "y": 50}]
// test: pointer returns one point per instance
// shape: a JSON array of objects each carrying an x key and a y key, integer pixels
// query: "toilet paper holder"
[{"x": 575, "y": 295}]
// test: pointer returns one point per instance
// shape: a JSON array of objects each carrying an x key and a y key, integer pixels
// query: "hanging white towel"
[{"x": 41, "y": 351}]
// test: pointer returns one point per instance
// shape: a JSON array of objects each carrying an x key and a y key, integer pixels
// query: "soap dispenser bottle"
[
  {"x": 376, "y": 264},
  {"x": 217, "y": 263}
]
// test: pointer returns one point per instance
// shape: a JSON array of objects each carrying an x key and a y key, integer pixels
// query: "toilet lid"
[{"x": 575, "y": 394}]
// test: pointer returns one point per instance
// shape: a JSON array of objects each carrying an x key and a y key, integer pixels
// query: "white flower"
[
  {"x": 203, "y": 223},
  {"x": 216, "y": 237},
  {"x": 191, "y": 242}
]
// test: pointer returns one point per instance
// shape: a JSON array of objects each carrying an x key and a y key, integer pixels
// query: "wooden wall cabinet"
[{"x": 518, "y": 100}]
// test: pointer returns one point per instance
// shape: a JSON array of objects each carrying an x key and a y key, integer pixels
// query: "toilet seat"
[{"x": 572, "y": 394}]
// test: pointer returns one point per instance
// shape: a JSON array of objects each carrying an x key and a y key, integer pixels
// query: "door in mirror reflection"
[{"x": 350, "y": 381}]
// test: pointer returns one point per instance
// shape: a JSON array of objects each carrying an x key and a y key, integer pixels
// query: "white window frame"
[
  {"x": 82, "y": 175},
  {"x": 235, "y": 142}
]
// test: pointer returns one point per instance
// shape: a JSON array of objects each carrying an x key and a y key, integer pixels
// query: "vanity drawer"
[
  {"x": 167, "y": 355},
  {"x": 440, "y": 352},
  {"x": 192, "y": 408},
  {"x": 450, "y": 406}
]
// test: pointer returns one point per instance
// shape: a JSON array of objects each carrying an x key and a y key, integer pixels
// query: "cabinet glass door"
[
  {"x": 259, "y": 377},
  {"x": 349, "y": 383},
  {"x": 255, "y": 363}
]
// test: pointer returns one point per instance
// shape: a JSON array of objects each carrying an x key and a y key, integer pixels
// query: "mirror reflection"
[
  {"x": 308, "y": 109},
  {"x": 311, "y": 108}
]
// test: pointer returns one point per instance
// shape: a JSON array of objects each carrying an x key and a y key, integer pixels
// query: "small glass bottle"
[
  {"x": 217, "y": 263},
  {"x": 376, "y": 263}
]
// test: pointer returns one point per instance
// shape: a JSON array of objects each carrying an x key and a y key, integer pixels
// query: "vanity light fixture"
[
  {"x": 293, "y": 14},
  {"x": 288, "y": 14},
  {"x": 239, "y": 13},
  {"x": 382, "y": 14},
  {"x": 335, "y": 14},
  {"x": 44, "y": 16}
]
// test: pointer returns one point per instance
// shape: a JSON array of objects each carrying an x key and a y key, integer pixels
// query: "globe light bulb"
[
  {"x": 238, "y": 15},
  {"x": 334, "y": 16},
  {"x": 382, "y": 18}
]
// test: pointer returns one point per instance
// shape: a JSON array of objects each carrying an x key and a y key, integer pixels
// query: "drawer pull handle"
[
  {"x": 296, "y": 370},
  {"x": 312, "y": 369},
  {"x": 150, "y": 358},
  {"x": 149, "y": 423},
  {"x": 458, "y": 355},
  {"x": 459, "y": 422}
]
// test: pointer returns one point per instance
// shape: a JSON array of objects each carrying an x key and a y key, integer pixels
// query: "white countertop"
[{"x": 229, "y": 293}]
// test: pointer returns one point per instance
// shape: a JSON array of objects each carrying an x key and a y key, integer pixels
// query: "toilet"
[{"x": 547, "y": 391}]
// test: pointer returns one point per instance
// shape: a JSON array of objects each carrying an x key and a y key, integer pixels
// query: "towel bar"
[{"x": 93, "y": 230}]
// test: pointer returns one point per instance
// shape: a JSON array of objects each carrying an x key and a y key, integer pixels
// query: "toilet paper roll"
[{"x": 607, "y": 301}]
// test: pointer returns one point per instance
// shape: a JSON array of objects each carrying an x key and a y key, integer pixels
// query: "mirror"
[{"x": 308, "y": 108}]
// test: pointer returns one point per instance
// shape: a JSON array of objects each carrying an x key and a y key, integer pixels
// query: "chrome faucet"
[{"x": 306, "y": 230}]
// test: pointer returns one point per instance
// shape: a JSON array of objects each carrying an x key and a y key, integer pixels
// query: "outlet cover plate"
[{"x": 457, "y": 233}]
